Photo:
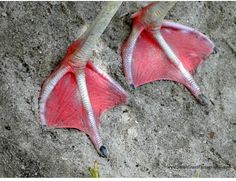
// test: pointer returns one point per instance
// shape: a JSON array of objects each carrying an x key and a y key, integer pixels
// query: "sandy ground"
[{"x": 164, "y": 133}]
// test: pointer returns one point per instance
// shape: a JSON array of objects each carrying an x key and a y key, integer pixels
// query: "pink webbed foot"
[
  {"x": 61, "y": 104},
  {"x": 170, "y": 52}
]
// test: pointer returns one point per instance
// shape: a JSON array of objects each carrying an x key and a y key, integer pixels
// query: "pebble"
[
  {"x": 125, "y": 117},
  {"x": 4, "y": 14},
  {"x": 22, "y": 167},
  {"x": 132, "y": 133}
]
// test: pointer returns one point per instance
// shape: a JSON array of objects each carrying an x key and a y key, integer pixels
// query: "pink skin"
[
  {"x": 77, "y": 93},
  {"x": 163, "y": 50},
  {"x": 61, "y": 105}
]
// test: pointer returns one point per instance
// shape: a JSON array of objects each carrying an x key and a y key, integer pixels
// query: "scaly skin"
[
  {"x": 153, "y": 14},
  {"x": 151, "y": 19},
  {"x": 175, "y": 60},
  {"x": 77, "y": 62},
  {"x": 91, "y": 36},
  {"x": 128, "y": 53}
]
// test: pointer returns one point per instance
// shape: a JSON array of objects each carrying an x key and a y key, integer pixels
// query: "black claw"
[
  {"x": 103, "y": 151},
  {"x": 132, "y": 86},
  {"x": 215, "y": 50},
  {"x": 202, "y": 99}
]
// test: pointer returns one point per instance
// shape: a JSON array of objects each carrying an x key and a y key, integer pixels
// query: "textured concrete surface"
[{"x": 163, "y": 133}]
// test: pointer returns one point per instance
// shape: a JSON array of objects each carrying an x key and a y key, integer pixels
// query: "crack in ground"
[{"x": 225, "y": 161}]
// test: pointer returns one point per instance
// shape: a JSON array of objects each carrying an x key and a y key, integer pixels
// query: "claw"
[
  {"x": 132, "y": 86},
  {"x": 163, "y": 50},
  {"x": 202, "y": 99},
  {"x": 103, "y": 151},
  {"x": 215, "y": 50}
]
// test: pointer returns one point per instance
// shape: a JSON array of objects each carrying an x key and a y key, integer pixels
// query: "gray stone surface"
[{"x": 163, "y": 133}]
